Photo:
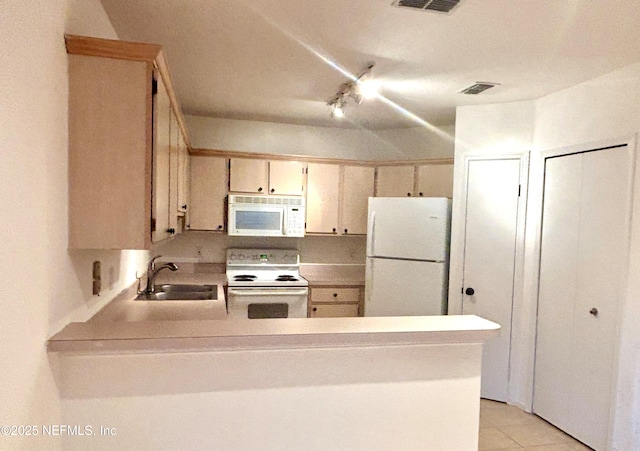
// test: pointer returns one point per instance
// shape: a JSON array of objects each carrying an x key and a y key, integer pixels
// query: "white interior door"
[
  {"x": 492, "y": 201},
  {"x": 583, "y": 256}
]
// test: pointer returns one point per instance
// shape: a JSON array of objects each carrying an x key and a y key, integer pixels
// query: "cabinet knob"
[
  {"x": 409, "y": 194},
  {"x": 594, "y": 311},
  {"x": 260, "y": 189},
  {"x": 273, "y": 190},
  {"x": 171, "y": 230},
  {"x": 345, "y": 231},
  {"x": 184, "y": 207},
  {"x": 315, "y": 309},
  {"x": 420, "y": 194},
  {"x": 469, "y": 291},
  {"x": 335, "y": 295},
  {"x": 219, "y": 227},
  {"x": 335, "y": 230}
]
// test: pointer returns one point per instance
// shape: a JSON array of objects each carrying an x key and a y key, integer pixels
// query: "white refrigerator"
[{"x": 407, "y": 268}]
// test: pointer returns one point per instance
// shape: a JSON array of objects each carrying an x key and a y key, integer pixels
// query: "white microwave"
[{"x": 266, "y": 215}]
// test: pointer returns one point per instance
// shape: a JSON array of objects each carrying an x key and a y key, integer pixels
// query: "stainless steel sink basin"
[
  {"x": 171, "y": 292},
  {"x": 182, "y": 288}
]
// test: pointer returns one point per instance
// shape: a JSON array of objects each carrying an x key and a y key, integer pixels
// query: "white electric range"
[{"x": 265, "y": 283}]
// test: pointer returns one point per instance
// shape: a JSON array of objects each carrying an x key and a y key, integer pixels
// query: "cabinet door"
[
  {"x": 173, "y": 174},
  {"x": 286, "y": 177},
  {"x": 161, "y": 163},
  {"x": 333, "y": 310},
  {"x": 208, "y": 190},
  {"x": 183, "y": 175},
  {"x": 322, "y": 198},
  {"x": 357, "y": 187},
  {"x": 435, "y": 180},
  {"x": 395, "y": 181},
  {"x": 249, "y": 175}
]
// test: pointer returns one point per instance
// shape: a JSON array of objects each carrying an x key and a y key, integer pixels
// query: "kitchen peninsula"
[{"x": 326, "y": 383}]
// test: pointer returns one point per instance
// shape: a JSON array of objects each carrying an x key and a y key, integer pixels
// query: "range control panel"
[{"x": 237, "y": 257}]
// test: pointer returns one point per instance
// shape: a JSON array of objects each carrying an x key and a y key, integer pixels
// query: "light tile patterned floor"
[{"x": 508, "y": 428}]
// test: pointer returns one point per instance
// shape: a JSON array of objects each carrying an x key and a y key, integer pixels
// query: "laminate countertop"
[{"x": 333, "y": 274}]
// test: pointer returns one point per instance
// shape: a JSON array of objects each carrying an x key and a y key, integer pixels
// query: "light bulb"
[
  {"x": 368, "y": 88},
  {"x": 337, "y": 111}
]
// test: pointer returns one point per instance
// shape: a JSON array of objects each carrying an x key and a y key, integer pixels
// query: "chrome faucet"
[{"x": 152, "y": 272}]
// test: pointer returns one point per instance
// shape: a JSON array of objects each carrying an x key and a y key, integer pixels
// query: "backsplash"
[{"x": 208, "y": 247}]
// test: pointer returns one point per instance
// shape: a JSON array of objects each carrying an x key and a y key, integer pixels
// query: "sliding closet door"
[{"x": 583, "y": 257}]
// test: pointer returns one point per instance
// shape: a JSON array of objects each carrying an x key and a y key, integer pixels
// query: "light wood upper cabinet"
[
  {"x": 395, "y": 181},
  {"x": 208, "y": 191},
  {"x": 112, "y": 135},
  {"x": 249, "y": 175},
  {"x": 357, "y": 187},
  {"x": 435, "y": 180},
  {"x": 323, "y": 182},
  {"x": 286, "y": 177},
  {"x": 279, "y": 177},
  {"x": 183, "y": 175}
]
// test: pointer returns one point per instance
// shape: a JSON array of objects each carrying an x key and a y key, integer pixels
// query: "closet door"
[{"x": 583, "y": 256}]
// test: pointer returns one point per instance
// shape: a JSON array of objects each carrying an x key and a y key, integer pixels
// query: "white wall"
[
  {"x": 329, "y": 142},
  {"x": 603, "y": 110},
  {"x": 42, "y": 285}
]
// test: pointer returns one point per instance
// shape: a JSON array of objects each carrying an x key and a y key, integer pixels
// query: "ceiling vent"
[
  {"x": 477, "y": 88},
  {"x": 440, "y": 6}
]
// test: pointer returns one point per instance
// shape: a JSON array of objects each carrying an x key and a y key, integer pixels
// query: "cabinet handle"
[
  {"x": 409, "y": 194},
  {"x": 171, "y": 230},
  {"x": 594, "y": 311},
  {"x": 184, "y": 207},
  {"x": 260, "y": 189},
  {"x": 273, "y": 190}
]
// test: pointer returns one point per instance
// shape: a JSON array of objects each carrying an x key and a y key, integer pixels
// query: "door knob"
[
  {"x": 469, "y": 291},
  {"x": 594, "y": 311}
]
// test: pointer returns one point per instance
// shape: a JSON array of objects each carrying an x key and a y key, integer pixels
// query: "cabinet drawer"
[
  {"x": 335, "y": 295},
  {"x": 333, "y": 310}
]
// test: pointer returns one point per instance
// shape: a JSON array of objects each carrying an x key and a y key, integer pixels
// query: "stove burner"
[
  {"x": 286, "y": 278},
  {"x": 245, "y": 278}
]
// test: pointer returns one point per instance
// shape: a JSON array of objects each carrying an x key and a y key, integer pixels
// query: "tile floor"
[{"x": 508, "y": 428}]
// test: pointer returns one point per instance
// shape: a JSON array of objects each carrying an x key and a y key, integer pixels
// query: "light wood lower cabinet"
[{"x": 335, "y": 302}]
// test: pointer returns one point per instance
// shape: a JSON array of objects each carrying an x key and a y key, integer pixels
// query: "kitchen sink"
[
  {"x": 182, "y": 288},
  {"x": 171, "y": 292}
]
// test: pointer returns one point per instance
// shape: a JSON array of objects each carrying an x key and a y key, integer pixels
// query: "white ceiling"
[{"x": 267, "y": 59}]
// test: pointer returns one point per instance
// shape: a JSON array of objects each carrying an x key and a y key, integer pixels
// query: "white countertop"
[{"x": 217, "y": 335}]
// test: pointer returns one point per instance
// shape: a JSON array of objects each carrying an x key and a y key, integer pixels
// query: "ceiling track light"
[{"x": 351, "y": 90}]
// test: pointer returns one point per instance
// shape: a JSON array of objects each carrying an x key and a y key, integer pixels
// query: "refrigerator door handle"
[{"x": 371, "y": 234}]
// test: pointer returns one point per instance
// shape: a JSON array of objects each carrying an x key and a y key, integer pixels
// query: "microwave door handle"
[{"x": 266, "y": 292}]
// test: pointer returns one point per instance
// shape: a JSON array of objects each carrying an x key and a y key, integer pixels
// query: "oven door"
[{"x": 264, "y": 302}]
